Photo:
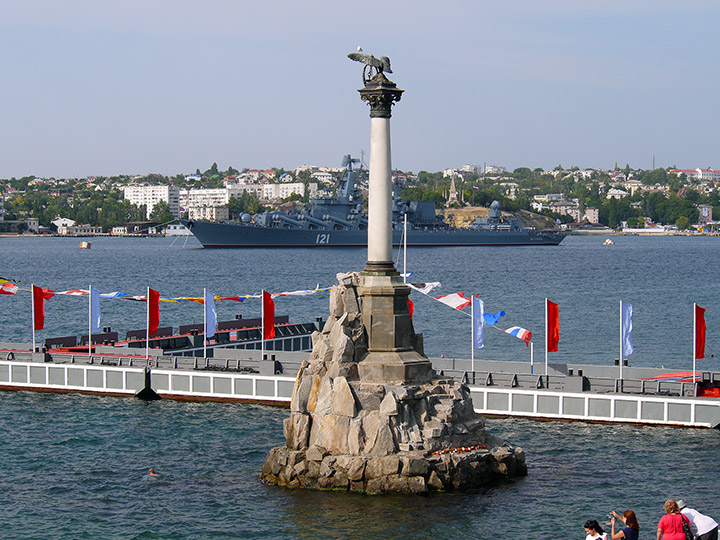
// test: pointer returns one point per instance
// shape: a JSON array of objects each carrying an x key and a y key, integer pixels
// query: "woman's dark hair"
[
  {"x": 594, "y": 525},
  {"x": 631, "y": 520}
]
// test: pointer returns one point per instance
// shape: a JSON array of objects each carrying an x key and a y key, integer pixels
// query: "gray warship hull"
[{"x": 241, "y": 235}]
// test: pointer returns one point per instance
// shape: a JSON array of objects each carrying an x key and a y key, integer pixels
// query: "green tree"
[
  {"x": 682, "y": 223},
  {"x": 161, "y": 213}
]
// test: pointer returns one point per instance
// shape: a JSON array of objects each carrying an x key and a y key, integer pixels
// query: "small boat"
[
  {"x": 84, "y": 245},
  {"x": 608, "y": 242}
]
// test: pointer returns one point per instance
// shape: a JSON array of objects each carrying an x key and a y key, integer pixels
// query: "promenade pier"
[{"x": 578, "y": 392}]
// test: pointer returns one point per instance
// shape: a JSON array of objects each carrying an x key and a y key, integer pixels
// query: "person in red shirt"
[{"x": 671, "y": 524}]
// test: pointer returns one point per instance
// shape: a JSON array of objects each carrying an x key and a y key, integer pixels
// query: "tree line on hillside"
[{"x": 101, "y": 203}]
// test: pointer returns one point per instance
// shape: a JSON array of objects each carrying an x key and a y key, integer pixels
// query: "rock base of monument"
[
  {"x": 404, "y": 472},
  {"x": 352, "y": 432}
]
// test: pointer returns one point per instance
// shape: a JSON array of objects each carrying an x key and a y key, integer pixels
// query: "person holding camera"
[{"x": 630, "y": 531}]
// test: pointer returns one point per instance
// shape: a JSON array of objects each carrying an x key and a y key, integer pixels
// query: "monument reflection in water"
[{"x": 368, "y": 412}]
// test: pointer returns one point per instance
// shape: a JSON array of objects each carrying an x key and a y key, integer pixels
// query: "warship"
[{"x": 339, "y": 221}]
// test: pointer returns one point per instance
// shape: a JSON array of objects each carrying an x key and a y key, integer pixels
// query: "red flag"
[
  {"x": 8, "y": 287},
  {"x": 38, "y": 307},
  {"x": 699, "y": 332},
  {"x": 553, "y": 326},
  {"x": 268, "y": 316},
  {"x": 153, "y": 311},
  {"x": 411, "y": 307}
]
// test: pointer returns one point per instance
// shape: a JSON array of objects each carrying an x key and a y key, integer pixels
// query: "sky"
[{"x": 157, "y": 86}]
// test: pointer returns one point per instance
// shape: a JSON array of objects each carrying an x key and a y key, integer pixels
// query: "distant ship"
[{"x": 338, "y": 221}]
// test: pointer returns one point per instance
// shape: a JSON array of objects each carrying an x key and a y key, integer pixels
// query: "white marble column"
[{"x": 380, "y": 193}]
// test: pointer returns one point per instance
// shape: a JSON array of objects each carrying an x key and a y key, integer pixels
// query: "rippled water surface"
[{"x": 72, "y": 466}]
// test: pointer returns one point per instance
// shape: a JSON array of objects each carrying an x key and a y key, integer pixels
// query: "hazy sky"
[{"x": 140, "y": 86}]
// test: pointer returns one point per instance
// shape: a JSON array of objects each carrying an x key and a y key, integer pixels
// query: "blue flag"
[
  {"x": 94, "y": 310},
  {"x": 478, "y": 308},
  {"x": 210, "y": 315},
  {"x": 627, "y": 328},
  {"x": 491, "y": 319}
]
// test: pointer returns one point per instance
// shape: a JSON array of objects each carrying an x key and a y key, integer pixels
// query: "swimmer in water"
[{"x": 151, "y": 474}]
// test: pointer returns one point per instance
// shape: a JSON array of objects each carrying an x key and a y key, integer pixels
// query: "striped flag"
[
  {"x": 454, "y": 300},
  {"x": 8, "y": 287},
  {"x": 520, "y": 333}
]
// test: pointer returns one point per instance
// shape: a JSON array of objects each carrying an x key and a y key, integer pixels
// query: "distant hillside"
[{"x": 463, "y": 217}]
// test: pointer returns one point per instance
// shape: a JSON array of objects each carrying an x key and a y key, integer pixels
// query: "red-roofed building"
[{"x": 698, "y": 174}]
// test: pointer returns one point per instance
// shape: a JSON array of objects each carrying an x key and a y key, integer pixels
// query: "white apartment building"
[
  {"x": 592, "y": 215},
  {"x": 2, "y": 208},
  {"x": 282, "y": 191},
  {"x": 151, "y": 195},
  {"x": 209, "y": 213},
  {"x": 190, "y": 198},
  {"x": 566, "y": 208}
]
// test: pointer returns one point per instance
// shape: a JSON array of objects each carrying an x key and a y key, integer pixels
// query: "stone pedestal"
[{"x": 395, "y": 353}]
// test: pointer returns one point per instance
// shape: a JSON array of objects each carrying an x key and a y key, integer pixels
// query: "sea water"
[{"x": 73, "y": 466}]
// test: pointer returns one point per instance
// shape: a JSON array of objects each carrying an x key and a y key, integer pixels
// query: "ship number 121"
[{"x": 322, "y": 239}]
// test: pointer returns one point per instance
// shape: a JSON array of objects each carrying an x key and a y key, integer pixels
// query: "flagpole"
[
  {"x": 205, "y": 322},
  {"x": 32, "y": 303},
  {"x": 472, "y": 337},
  {"x": 262, "y": 329},
  {"x": 694, "y": 338},
  {"x": 621, "y": 340},
  {"x": 532, "y": 356},
  {"x": 147, "y": 327},
  {"x": 405, "y": 250},
  {"x": 546, "y": 337},
  {"x": 90, "y": 321}
]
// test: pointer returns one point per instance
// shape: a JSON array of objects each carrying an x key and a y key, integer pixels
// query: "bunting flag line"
[
  {"x": 424, "y": 288},
  {"x": 520, "y": 333},
  {"x": 454, "y": 300},
  {"x": 9, "y": 287}
]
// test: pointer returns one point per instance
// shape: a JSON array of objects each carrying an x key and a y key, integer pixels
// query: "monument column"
[
  {"x": 380, "y": 93},
  {"x": 392, "y": 343}
]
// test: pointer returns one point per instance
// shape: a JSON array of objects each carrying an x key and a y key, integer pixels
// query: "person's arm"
[
  {"x": 659, "y": 533},
  {"x": 621, "y": 518},
  {"x": 619, "y": 534}
]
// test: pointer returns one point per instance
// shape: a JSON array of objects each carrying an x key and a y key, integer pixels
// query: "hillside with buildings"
[{"x": 618, "y": 198}]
